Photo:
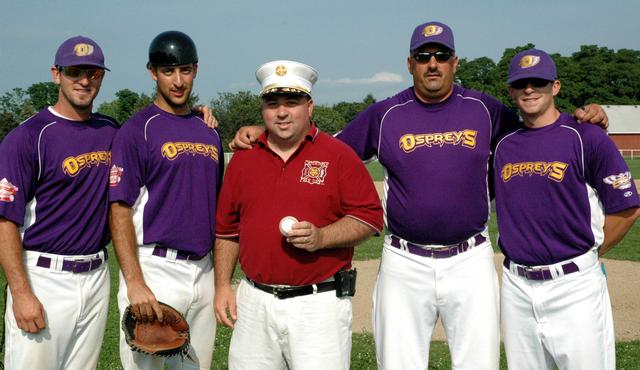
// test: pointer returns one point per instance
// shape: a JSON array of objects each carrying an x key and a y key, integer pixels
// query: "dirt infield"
[{"x": 624, "y": 280}]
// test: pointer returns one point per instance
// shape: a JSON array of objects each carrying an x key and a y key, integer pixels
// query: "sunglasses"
[
  {"x": 440, "y": 55},
  {"x": 535, "y": 82},
  {"x": 77, "y": 72}
]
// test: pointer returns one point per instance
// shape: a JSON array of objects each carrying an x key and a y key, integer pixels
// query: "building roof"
[{"x": 623, "y": 119}]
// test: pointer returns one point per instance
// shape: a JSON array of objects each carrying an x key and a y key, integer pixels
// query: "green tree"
[
  {"x": 479, "y": 74},
  {"x": 42, "y": 94},
  {"x": 15, "y": 107},
  {"x": 125, "y": 105},
  {"x": 234, "y": 110},
  {"x": 349, "y": 110},
  {"x": 328, "y": 119}
]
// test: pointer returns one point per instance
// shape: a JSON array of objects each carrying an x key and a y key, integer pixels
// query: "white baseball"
[{"x": 286, "y": 223}]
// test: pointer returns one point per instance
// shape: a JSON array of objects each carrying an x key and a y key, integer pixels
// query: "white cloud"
[{"x": 378, "y": 78}]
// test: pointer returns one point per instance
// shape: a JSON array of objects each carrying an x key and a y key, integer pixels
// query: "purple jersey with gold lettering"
[
  {"x": 435, "y": 158},
  {"x": 53, "y": 182},
  {"x": 169, "y": 169},
  {"x": 553, "y": 187}
]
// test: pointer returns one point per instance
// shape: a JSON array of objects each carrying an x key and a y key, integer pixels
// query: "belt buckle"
[
  {"x": 282, "y": 293},
  {"x": 537, "y": 273},
  {"x": 77, "y": 265}
]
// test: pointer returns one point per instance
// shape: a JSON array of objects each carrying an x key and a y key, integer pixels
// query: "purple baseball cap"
[
  {"x": 532, "y": 63},
  {"x": 432, "y": 32},
  {"x": 78, "y": 51}
]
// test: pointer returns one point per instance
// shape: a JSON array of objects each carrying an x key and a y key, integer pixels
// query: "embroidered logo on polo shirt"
[
  {"x": 552, "y": 170},
  {"x": 115, "y": 175},
  {"x": 314, "y": 172},
  {"x": 7, "y": 191},
  {"x": 465, "y": 138},
  {"x": 620, "y": 181},
  {"x": 73, "y": 165},
  {"x": 171, "y": 150}
]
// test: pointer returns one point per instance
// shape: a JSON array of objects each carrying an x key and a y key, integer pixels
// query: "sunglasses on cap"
[
  {"x": 535, "y": 82},
  {"x": 77, "y": 72},
  {"x": 440, "y": 55}
]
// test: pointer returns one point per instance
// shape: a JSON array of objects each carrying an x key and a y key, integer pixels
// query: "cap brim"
[
  {"x": 284, "y": 90},
  {"x": 433, "y": 43}
]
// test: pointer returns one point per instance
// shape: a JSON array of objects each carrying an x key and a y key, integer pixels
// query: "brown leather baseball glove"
[{"x": 169, "y": 338}]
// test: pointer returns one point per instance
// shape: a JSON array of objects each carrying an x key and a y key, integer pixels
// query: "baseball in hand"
[{"x": 286, "y": 223}]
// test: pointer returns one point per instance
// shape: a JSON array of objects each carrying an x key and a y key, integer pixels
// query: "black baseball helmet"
[{"x": 172, "y": 48}]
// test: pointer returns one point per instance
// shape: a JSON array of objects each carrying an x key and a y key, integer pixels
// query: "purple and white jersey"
[
  {"x": 169, "y": 169},
  {"x": 435, "y": 158},
  {"x": 53, "y": 182},
  {"x": 553, "y": 187}
]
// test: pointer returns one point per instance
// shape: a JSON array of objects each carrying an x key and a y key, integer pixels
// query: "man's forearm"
[
  {"x": 124, "y": 241},
  {"x": 345, "y": 232},
  {"x": 616, "y": 226},
  {"x": 225, "y": 257},
  {"x": 11, "y": 258}
]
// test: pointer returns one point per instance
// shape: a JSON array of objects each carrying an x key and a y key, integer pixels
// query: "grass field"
[
  {"x": 634, "y": 166},
  {"x": 363, "y": 352}
]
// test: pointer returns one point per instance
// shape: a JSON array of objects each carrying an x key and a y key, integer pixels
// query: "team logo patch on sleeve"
[
  {"x": 620, "y": 181},
  {"x": 7, "y": 191},
  {"x": 314, "y": 172},
  {"x": 115, "y": 175}
]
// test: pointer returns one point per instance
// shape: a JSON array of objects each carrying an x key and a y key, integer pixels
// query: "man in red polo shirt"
[{"x": 293, "y": 308}]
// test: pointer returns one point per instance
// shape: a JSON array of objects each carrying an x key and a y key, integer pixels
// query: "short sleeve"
[
  {"x": 18, "y": 173},
  {"x": 362, "y": 133},
  {"x": 607, "y": 172},
  {"x": 228, "y": 208},
  {"x": 358, "y": 196},
  {"x": 128, "y": 157}
]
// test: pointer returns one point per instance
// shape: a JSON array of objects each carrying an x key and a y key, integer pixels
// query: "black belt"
[
  {"x": 294, "y": 291},
  {"x": 442, "y": 252}
]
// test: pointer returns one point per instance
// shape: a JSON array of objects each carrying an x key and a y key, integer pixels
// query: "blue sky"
[{"x": 358, "y": 47}]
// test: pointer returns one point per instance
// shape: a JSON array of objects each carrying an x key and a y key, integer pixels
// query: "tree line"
[{"x": 592, "y": 74}]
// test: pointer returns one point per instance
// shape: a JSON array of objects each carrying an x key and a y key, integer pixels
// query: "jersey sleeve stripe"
[
  {"x": 39, "y": 151},
  {"x": 147, "y": 124},
  {"x": 581, "y": 146},
  {"x": 382, "y": 121}
]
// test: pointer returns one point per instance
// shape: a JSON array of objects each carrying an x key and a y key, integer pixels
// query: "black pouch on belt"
[{"x": 345, "y": 283}]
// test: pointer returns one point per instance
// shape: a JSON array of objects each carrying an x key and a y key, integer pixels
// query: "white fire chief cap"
[{"x": 286, "y": 76}]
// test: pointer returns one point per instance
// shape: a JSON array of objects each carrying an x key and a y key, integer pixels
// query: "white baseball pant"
[
  {"x": 75, "y": 305},
  {"x": 187, "y": 286},
  {"x": 311, "y": 332},
  {"x": 565, "y": 322},
  {"x": 412, "y": 291}
]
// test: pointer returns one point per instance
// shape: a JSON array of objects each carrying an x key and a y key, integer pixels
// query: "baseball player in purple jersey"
[
  {"x": 53, "y": 221},
  {"x": 164, "y": 182},
  {"x": 434, "y": 140},
  {"x": 564, "y": 197}
]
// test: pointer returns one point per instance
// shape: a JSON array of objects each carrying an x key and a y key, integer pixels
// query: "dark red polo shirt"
[{"x": 321, "y": 182}]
